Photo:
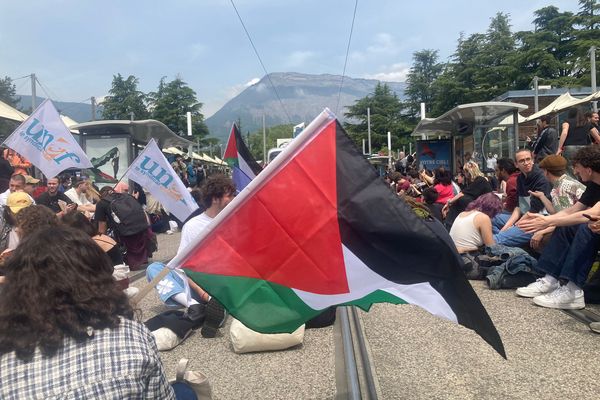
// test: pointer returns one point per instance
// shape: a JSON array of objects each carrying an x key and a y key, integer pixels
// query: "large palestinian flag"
[
  {"x": 238, "y": 157},
  {"x": 317, "y": 228}
]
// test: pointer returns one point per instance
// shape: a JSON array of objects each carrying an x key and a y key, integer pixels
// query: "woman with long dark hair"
[{"x": 66, "y": 330}]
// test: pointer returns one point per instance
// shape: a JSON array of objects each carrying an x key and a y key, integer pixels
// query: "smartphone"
[{"x": 593, "y": 219}]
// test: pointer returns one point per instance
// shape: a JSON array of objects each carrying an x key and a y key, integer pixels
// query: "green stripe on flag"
[{"x": 268, "y": 307}]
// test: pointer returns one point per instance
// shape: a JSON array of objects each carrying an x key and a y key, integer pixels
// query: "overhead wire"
[
  {"x": 261, "y": 62},
  {"x": 346, "y": 61}
]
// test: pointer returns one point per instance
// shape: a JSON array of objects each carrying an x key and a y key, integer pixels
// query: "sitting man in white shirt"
[
  {"x": 16, "y": 184},
  {"x": 77, "y": 194}
]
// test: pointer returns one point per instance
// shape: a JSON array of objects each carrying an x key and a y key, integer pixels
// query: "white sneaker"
[
  {"x": 562, "y": 298},
  {"x": 537, "y": 288}
]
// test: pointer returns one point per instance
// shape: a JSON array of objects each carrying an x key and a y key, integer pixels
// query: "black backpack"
[{"x": 127, "y": 214}]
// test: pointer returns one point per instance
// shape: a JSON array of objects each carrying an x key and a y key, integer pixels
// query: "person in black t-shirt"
[
  {"x": 567, "y": 258},
  {"x": 52, "y": 198}
]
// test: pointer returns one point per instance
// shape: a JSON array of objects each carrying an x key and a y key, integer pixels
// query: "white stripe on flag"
[
  {"x": 245, "y": 168},
  {"x": 363, "y": 281}
]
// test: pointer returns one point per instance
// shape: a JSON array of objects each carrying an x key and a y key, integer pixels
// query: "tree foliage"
[
  {"x": 386, "y": 116},
  {"x": 125, "y": 99},
  {"x": 8, "y": 95},
  {"x": 422, "y": 75},
  {"x": 255, "y": 141},
  {"x": 171, "y": 103}
]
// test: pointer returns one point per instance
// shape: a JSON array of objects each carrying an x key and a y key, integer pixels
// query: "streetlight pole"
[{"x": 593, "y": 72}]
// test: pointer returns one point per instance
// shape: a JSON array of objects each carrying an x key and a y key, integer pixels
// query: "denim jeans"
[
  {"x": 570, "y": 253},
  {"x": 513, "y": 236}
]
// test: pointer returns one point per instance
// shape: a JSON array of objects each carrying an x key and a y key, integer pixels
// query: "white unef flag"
[
  {"x": 44, "y": 140},
  {"x": 152, "y": 171}
]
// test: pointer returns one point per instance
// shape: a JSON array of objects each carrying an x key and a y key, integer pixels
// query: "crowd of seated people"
[{"x": 536, "y": 207}]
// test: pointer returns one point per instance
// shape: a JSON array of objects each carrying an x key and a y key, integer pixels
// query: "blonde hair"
[{"x": 472, "y": 170}]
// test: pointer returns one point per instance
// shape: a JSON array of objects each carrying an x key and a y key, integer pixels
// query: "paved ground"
[
  {"x": 416, "y": 356},
  {"x": 304, "y": 372}
]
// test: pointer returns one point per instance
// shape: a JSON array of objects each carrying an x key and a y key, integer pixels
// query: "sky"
[{"x": 76, "y": 46}]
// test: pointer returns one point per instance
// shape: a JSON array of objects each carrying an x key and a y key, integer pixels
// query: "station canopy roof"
[
  {"x": 461, "y": 119},
  {"x": 140, "y": 131},
  {"x": 563, "y": 102}
]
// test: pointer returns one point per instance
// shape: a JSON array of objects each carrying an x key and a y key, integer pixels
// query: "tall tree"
[
  {"x": 124, "y": 99},
  {"x": 8, "y": 92},
  {"x": 423, "y": 73},
  {"x": 170, "y": 104},
  {"x": 386, "y": 116}
]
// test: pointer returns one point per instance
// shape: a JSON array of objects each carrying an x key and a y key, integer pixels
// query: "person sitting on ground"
[
  {"x": 217, "y": 192},
  {"x": 9, "y": 237},
  {"x": 442, "y": 182},
  {"x": 568, "y": 257},
  {"x": 56, "y": 200},
  {"x": 478, "y": 185},
  {"x": 15, "y": 184},
  {"x": 472, "y": 228},
  {"x": 507, "y": 172},
  {"x": 506, "y": 230},
  {"x": 131, "y": 228},
  {"x": 30, "y": 185},
  {"x": 74, "y": 319},
  {"x": 78, "y": 195},
  {"x": 566, "y": 191},
  {"x": 110, "y": 247},
  {"x": 430, "y": 195}
]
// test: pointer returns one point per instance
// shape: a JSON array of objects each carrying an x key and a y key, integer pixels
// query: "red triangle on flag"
[{"x": 288, "y": 237}]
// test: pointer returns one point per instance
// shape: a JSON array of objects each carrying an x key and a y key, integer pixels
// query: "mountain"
[
  {"x": 80, "y": 112},
  {"x": 303, "y": 96}
]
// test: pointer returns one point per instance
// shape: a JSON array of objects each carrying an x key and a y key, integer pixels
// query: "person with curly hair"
[
  {"x": 202, "y": 309},
  {"x": 568, "y": 257},
  {"x": 67, "y": 331}
]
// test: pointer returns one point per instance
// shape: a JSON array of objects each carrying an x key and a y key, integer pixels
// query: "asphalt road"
[{"x": 416, "y": 355}]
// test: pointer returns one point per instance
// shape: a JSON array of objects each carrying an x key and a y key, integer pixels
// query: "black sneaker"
[
  {"x": 196, "y": 313},
  {"x": 215, "y": 318}
]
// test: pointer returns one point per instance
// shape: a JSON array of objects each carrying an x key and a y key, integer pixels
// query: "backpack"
[{"x": 128, "y": 215}]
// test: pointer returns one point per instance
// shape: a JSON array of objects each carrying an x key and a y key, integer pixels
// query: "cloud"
[
  {"x": 299, "y": 58},
  {"x": 383, "y": 43},
  {"x": 395, "y": 73},
  {"x": 234, "y": 90}
]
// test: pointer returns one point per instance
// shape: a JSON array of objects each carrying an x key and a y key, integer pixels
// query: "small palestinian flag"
[
  {"x": 318, "y": 228},
  {"x": 237, "y": 156}
]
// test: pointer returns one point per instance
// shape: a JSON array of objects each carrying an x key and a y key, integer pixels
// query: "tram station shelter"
[
  {"x": 112, "y": 145},
  {"x": 477, "y": 128}
]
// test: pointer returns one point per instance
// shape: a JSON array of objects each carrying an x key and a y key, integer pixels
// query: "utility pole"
[
  {"x": 369, "y": 129},
  {"x": 536, "y": 105},
  {"x": 33, "y": 95},
  {"x": 93, "y": 99},
  {"x": 264, "y": 142},
  {"x": 593, "y": 72}
]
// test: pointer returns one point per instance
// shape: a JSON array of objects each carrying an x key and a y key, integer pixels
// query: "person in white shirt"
[
  {"x": 77, "y": 194},
  {"x": 217, "y": 192},
  {"x": 16, "y": 184}
]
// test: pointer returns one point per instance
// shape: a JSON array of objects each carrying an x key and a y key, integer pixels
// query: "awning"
[
  {"x": 173, "y": 150},
  {"x": 11, "y": 113},
  {"x": 140, "y": 131},
  {"x": 461, "y": 119},
  {"x": 563, "y": 101}
]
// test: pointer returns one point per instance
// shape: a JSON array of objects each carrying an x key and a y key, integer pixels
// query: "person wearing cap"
[
  {"x": 77, "y": 194},
  {"x": 15, "y": 202},
  {"x": 568, "y": 257},
  {"x": 30, "y": 184},
  {"x": 565, "y": 192}
]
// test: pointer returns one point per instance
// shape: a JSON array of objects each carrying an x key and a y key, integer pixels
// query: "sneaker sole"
[
  {"x": 215, "y": 316},
  {"x": 559, "y": 306},
  {"x": 528, "y": 295}
]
